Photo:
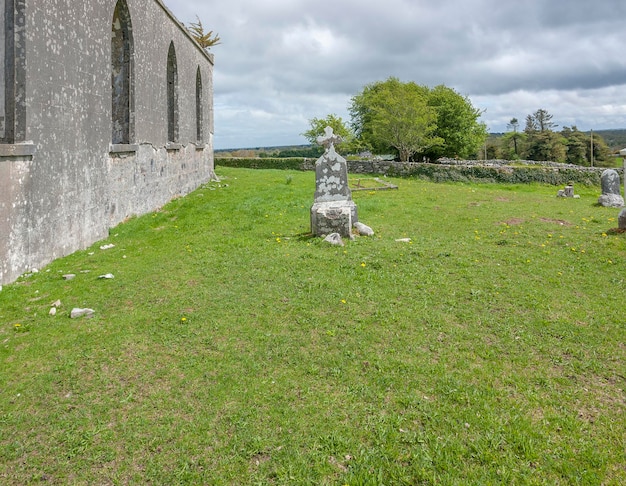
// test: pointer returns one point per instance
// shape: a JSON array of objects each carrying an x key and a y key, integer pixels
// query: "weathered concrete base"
[
  {"x": 611, "y": 201},
  {"x": 333, "y": 217}
]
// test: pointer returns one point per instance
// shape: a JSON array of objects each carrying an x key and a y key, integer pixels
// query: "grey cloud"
[{"x": 290, "y": 59}]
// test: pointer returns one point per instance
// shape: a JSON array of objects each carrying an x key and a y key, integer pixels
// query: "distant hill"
[
  {"x": 615, "y": 139},
  {"x": 277, "y": 151}
]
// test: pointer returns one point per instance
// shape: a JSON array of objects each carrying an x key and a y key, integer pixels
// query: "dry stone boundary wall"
[{"x": 498, "y": 171}]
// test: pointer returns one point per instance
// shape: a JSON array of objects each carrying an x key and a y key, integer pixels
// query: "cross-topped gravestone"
[
  {"x": 331, "y": 172},
  {"x": 333, "y": 210}
]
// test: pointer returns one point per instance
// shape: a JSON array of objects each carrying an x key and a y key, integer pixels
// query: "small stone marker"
[
  {"x": 69, "y": 276},
  {"x": 611, "y": 195}
]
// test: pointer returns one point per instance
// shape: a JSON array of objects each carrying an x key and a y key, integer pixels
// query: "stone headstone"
[
  {"x": 611, "y": 197},
  {"x": 333, "y": 210},
  {"x": 567, "y": 191},
  {"x": 621, "y": 219}
]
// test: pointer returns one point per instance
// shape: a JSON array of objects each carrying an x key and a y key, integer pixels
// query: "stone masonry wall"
[{"x": 65, "y": 184}]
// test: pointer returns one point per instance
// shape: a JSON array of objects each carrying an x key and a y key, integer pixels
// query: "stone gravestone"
[
  {"x": 621, "y": 219},
  {"x": 333, "y": 210},
  {"x": 611, "y": 195}
]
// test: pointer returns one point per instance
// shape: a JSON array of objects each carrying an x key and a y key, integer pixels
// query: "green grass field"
[{"x": 233, "y": 348}]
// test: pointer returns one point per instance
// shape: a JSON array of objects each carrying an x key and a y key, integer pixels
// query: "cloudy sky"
[{"x": 283, "y": 62}]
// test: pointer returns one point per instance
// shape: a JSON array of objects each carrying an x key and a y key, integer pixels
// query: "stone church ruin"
[{"x": 106, "y": 111}]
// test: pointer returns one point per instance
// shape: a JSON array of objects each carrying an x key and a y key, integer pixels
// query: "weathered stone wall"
[
  {"x": 445, "y": 169},
  {"x": 64, "y": 184}
]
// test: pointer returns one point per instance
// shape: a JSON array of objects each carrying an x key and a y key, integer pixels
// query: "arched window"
[
  {"x": 199, "y": 127},
  {"x": 122, "y": 75},
  {"x": 13, "y": 77},
  {"x": 172, "y": 95}
]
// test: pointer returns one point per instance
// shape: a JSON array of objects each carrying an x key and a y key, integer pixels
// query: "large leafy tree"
[
  {"x": 458, "y": 124},
  {"x": 415, "y": 120},
  {"x": 341, "y": 128},
  {"x": 395, "y": 115}
]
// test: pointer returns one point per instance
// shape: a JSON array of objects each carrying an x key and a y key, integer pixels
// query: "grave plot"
[{"x": 370, "y": 184}]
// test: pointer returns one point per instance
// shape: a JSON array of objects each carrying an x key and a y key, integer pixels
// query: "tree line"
[
  {"x": 539, "y": 140},
  {"x": 415, "y": 122}
]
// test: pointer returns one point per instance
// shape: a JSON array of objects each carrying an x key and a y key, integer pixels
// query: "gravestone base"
[
  {"x": 333, "y": 217},
  {"x": 611, "y": 200}
]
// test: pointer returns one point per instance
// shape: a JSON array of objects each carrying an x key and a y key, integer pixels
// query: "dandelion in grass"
[
  {"x": 183, "y": 320},
  {"x": 363, "y": 264},
  {"x": 343, "y": 301}
]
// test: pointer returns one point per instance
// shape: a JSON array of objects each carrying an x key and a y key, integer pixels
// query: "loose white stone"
[
  {"x": 78, "y": 312},
  {"x": 363, "y": 229},
  {"x": 334, "y": 239}
]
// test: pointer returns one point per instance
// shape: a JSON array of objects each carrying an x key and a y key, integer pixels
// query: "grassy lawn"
[{"x": 233, "y": 348}]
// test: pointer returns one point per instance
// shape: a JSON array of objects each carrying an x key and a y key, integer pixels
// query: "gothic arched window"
[{"x": 122, "y": 75}]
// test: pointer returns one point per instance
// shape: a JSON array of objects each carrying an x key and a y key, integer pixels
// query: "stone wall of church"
[{"x": 66, "y": 182}]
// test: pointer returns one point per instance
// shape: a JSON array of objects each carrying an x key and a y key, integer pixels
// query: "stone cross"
[{"x": 329, "y": 139}]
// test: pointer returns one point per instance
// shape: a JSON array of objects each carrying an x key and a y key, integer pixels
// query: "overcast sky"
[{"x": 283, "y": 62}]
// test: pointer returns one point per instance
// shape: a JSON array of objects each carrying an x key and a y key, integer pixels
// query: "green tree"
[
  {"x": 601, "y": 151},
  {"x": 540, "y": 121},
  {"x": 542, "y": 143},
  {"x": 513, "y": 136},
  {"x": 580, "y": 145},
  {"x": 457, "y": 124},
  {"x": 205, "y": 39},
  {"x": 395, "y": 115},
  {"x": 576, "y": 146},
  {"x": 349, "y": 142}
]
